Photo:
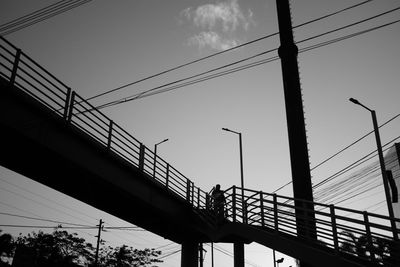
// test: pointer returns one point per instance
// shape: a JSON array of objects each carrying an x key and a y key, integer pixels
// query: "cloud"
[
  {"x": 213, "y": 40},
  {"x": 217, "y": 22}
]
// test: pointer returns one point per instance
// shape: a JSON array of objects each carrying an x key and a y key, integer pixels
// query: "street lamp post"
[
  {"x": 382, "y": 164},
  {"x": 273, "y": 253},
  {"x": 155, "y": 155},
  {"x": 241, "y": 160},
  {"x": 239, "y": 246}
]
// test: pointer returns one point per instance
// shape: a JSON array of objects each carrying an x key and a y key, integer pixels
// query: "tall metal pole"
[
  {"x": 241, "y": 168},
  {"x": 301, "y": 174},
  {"x": 96, "y": 259},
  {"x": 273, "y": 252},
  {"x": 383, "y": 168},
  {"x": 238, "y": 247},
  {"x": 201, "y": 259},
  {"x": 212, "y": 254},
  {"x": 382, "y": 165}
]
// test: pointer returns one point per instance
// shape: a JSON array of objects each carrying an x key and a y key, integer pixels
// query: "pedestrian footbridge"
[{"x": 52, "y": 135}]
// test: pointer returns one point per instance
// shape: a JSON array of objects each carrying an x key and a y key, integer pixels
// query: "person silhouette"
[{"x": 218, "y": 198}]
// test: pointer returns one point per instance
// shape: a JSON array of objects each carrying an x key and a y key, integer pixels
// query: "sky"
[{"x": 103, "y": 45}]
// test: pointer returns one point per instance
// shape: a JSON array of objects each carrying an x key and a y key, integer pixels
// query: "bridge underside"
[{"x": 37, "y": 144}]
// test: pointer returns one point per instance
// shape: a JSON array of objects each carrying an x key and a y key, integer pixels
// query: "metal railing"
[
  {"x": 360, "y": 233},
  {"x": 25, "y": 74}
]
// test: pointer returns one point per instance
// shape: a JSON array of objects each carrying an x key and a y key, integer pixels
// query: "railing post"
[
  {"x": 389, "y": 176},
  {"x": 262, "y": 209},
  {"x": 167, "y": 176},
  {"x": 198, "y": 197},
  {"x": 67, "y": 103},
  {"x": 110, "y": 130},
  {"x": 192, "y": 192},
  {"x": 234, "y": 204},
  {"x": 244, "y": 212},
  {"x": 276, "y": 222},
  {"x": 188, "y": 188},
  {"x": 71, "y": 107},
  {"x": 334, "y": 229},
  {"x": 370, "y": 244},
  {"x": 141, "y": 156},
  {"x": 15, "y": 66}
]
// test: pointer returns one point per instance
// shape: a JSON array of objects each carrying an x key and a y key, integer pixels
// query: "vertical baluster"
[
  {"x": 198, "y": 197},
  {"x": 276, "y": 222},
  {"x": 188, "y": 188},
  {"x": 208, "y": 205},
  {"x": 167, "y": 176},
  {"x": 262, "y": 209},
  {"x": 234, "y": 204},
  {"x": 370, "y": 244},
  {"x": 192, "y": 192},
  {"x": 110, "y": 130},
  {"x": 71, "y": 107},
  {"x": 141, "y": 156},
  {"x": 334, "y": 229},
  {"x": 15, "y": 66},
  {"x": 67, "y": 103}
]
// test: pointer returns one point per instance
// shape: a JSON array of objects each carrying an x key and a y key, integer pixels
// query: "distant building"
[{"x": 392, "y": 163}]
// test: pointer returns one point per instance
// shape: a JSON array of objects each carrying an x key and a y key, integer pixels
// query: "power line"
[
  {"x": 46, "y": 226},
  {"x": 342, "y": 150},
  {"x": 366, "y": 180},
  {"x": 159, "y": 89},
  {"x": 224, "y": 51},
  {"x": 52, "y": 201},
  {"x": 348, "y": 168},
  {"x": 44, "y": 220},
  {"x": 40, "y": 15}
]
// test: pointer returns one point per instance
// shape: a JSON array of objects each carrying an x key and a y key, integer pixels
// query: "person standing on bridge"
[{"x": 218, "y": 199}]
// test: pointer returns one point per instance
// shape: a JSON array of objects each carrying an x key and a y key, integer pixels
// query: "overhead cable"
[
  {"x": 44, "y": 220},
  {"x": 224, "y": 51},
  {"x": 40, "y": 15},
  {"x": 161, "y": 88}
]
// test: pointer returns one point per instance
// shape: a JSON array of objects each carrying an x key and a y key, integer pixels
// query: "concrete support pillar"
[
  {"x": 189, "y": 254},
  {"x": 238, "y": 254}
]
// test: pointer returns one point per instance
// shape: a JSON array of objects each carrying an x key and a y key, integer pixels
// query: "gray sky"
[{"x": 106, "y": 44}]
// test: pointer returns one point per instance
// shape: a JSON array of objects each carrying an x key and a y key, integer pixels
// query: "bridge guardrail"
[
  {"x": 366, "y": 235},
  {"x": 24, "y": 73}
]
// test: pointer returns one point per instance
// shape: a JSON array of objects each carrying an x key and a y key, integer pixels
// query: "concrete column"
[
  {"x": 238, "y": 254},
  {"x": 189, "y": 254}
]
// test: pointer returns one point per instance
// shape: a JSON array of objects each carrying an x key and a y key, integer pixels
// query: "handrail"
[
  {"x": 30, "y": 77},
  {"x": 265, "y": 210}
]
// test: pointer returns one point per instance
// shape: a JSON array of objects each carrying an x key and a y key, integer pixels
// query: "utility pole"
[
  {"x": 212, "y": 254},
  {"x": 300, "y": 165},
  {"x": 96, "y": 259},
  {"x": 201, "y": 255}
]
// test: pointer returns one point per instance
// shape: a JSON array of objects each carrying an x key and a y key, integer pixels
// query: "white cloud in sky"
[
  {"x": 213, "y": 40},
  {"x": 217, "y": 22}
]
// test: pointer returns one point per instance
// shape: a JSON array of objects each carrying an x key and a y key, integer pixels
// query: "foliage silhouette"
[
  {"x": 63, "y": 249},
  {"x": 381, "y": 251}
]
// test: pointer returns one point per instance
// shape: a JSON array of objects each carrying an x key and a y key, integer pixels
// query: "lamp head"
[
  {"x": 355, "y": 101},
  {"x": 280, "y": 260}
]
